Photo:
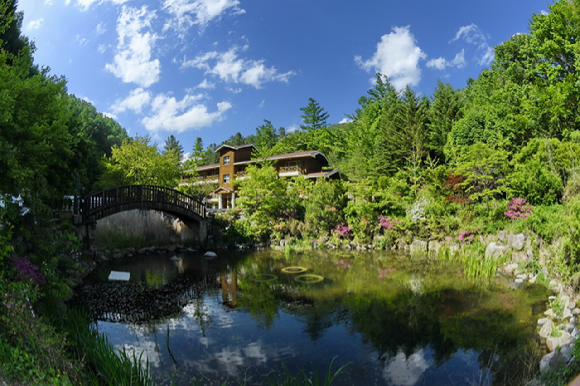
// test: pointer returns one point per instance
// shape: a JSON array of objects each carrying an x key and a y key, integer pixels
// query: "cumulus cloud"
[
  {"x": 110, "y": 115},
  {"x": 136, "y": 100},
  {"x": 81, "y": 40},
  {"x": 35, "y": 24},
  {"x": 441, "y": 63},
  {"x": 86, "y": 4},
  {"x": 100, "y": 29},
  {"x": 132, "y": 62},
  {"x": 186, "y": 13},
  {"x": 169, "y": 114},
  {"x": 229, "y": 68},
  {"x": 472, "y": 34},
  {"x": 206, "y": 84},
  {"x": 397, "y": 56},
  {"x": 345, "y": 120}
]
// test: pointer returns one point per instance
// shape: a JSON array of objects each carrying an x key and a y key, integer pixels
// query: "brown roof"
[{"x": 324, "y": 173}]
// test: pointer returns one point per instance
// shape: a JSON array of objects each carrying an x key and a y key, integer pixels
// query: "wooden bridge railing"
[{"x": 104, "y": 203}]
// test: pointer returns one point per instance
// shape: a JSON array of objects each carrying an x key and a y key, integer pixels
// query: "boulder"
[
  {"x": 517, "y": 241},
  {"x": 542, "y": 321},
  {"x": 517, "y": 283},
  {"x": 546, "y": 330},
  {"x": 510, "y": 268},
  {"x": 551, "y": 362},
  {"x": 495, "y": 250},
  {"x": 418, "y": 246},
  {"x": 501, "y": 236},
  {"x": 435, "y": 246},
  {"x": 519, "y": 257},
  {"x": 530, "y": 254},
  {"x": 210, "y": 254}
]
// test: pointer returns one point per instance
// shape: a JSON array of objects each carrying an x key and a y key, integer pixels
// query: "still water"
[{"x": 395, "y": 319}]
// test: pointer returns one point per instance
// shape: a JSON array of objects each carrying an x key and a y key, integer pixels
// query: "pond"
[{"x": 395, "y": 319}]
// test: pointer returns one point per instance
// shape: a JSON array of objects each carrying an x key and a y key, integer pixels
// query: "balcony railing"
[
  {"x": 289, "y": 169},
  {"x": 242, "y": 173}
]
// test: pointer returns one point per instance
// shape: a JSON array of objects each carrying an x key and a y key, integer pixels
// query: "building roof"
[
  {"x": 234, "y": 147},
  {"x": 324, "y": 173},
  {"x": 301, "y": 154}
]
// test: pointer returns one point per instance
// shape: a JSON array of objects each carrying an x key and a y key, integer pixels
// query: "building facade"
[{"x": 235, "y": 159}]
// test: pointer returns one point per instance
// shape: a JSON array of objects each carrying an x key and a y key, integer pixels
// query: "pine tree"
[
  {"x": 314, "y": 116},
  {"x": 444, "y": 111}
]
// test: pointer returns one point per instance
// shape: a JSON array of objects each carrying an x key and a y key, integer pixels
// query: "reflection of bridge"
[{"x": 95, "y": 206}]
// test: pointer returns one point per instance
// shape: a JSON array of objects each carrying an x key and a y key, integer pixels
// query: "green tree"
[
  {"x": 173, "y": 145},
  {"x": 136, "y": 162},
  {"x": 266, "y": 135},
  {"x": 444, "y": 111},
  {"x": 314, "y": 116},
  {"x": 261, "y": 198}
]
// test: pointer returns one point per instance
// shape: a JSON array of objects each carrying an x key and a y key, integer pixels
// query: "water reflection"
[{"x": 399, "y": 320}]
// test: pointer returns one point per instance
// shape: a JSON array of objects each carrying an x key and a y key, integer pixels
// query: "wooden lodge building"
[{"x": 232, "y": 166}]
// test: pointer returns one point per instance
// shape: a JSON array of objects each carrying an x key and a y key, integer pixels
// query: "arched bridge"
[{"x": 107, "y": 202}]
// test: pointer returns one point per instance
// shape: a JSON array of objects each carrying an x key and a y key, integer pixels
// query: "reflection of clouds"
[
  {"x": 230, "y": 361},
  {"x": 406, "y": 371},
  {"x": 145, "y": 350},
  {"x": 254, "y": 350}
]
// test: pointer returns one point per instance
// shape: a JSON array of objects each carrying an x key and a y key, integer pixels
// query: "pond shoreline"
[{"x": 516, "y": 250}]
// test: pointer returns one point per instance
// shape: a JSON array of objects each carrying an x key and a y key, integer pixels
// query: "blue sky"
[{"x": 211, "y": 68}]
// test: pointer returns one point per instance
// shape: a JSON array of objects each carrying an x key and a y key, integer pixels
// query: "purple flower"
[
  {"x": 518, "y": 209},
  {"x": 388, "y": 222},
  {"x": 342, "y": 230},
  {"x": 26, "y": 270}
]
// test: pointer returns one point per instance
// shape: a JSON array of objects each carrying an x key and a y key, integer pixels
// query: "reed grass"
[
  {"x": 109, "y": 367},
  {"x": 137, "y": 228},
  {"x": 473, "y": 260}
]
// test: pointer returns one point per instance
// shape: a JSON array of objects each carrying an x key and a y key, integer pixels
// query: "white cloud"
[
  {"x": 345, "y": 120},
  {"x": 231, "y": 69},
  {"x": 100, "y": 29},
  {"x": 186, "y": 13},
  {"x": 206, "y": 84},
  {"x": 102, "y": 48},
  {"x": 172, "y": 115},
  {"x": 110, "y": 115},
  {"x": 81, "y": 40},
  {"x": 397, "y": 56},
  {"x": 472, "y": 34},
  {"x": 441, "y": 63},
  {"x": 136, "y": 100},
  {"x": 544, "y": 12},
  {"x": 86, "y": 4},
  {"x": 132, "y": 62},
  {"x": 35, "y": 24},
  {"x": 48, "y": 2},
  {"x": 262, "y": 103}
]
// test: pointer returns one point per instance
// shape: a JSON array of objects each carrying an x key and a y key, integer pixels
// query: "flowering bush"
[
  {"x": 518, "y": 209},
  {"x": 467, "y": 235},
  {"x": 26, "y": 271},
  {"x": 342, "y": 230},
  {"x": 417, "y": 212},
  {"x": 388, "y": 222}
]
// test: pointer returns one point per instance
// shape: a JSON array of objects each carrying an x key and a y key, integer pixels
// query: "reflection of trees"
[{"x": 132, "y": 302}]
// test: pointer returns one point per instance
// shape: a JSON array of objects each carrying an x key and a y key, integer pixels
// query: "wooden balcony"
[{"x": 289, "y": 171}]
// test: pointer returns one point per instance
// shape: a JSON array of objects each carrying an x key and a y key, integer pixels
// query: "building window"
[
  {"x": 293, "y": 163},
  {"x": 227, "y": 160},
  {"x": 226, "y": 178}
]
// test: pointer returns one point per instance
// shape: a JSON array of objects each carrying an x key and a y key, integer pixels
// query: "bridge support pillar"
[
  {"x": 87, "y": 233},
  {"x": 196, "y": 230}
]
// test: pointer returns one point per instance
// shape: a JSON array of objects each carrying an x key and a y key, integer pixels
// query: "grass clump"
[{"x": 137, "y": 228}]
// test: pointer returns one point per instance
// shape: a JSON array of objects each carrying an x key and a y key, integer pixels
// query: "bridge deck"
[{"x": 107, "y": 202}]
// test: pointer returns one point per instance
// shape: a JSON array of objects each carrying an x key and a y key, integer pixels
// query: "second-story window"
[
  {"x": 227, "y": 160},
  {"x": 226, "y": 178}
]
